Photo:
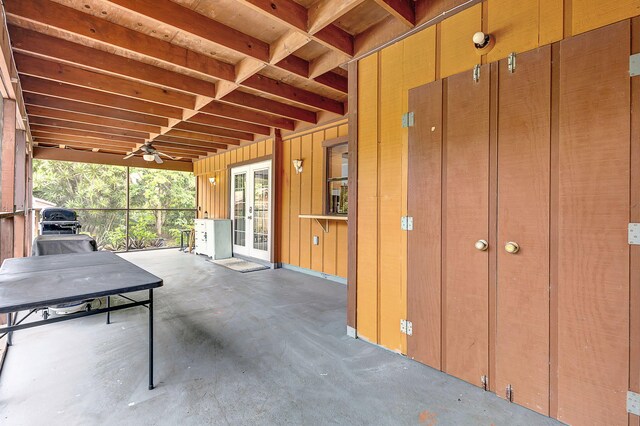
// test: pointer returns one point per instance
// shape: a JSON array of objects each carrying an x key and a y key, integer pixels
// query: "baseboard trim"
[{"x": 313, "y": 273}]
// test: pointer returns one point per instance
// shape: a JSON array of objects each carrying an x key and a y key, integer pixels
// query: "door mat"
[{"x": 239, "y": 265}]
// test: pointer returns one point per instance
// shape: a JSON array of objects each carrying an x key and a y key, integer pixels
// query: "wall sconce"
[
  {"x": 212, "y": 181},
  {"x": 297, "y": 165},
  {"x": 483, "y": 42}
]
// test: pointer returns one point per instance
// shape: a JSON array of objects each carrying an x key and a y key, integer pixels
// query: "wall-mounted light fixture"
[
  {"x": 212, "y": 181},
  {"x": 297, "y": 165},
  {"x": 483, "y": 42}
]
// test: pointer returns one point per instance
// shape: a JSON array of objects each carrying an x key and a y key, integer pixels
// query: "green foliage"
[{"x": 92, "y": 186}]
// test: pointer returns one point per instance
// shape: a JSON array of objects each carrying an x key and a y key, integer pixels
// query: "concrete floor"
[{"x": 265, "y": 347}]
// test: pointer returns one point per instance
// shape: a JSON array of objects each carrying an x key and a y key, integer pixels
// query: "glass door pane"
[
  {"x": 239, "y": 209},
  {"x": 261, "y": 209}
]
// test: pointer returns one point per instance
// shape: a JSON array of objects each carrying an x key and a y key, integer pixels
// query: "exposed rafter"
[{"x": 403, "y": 10}]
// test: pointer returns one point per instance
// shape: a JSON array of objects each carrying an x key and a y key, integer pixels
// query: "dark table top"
[{"x": 40, "y": 281}]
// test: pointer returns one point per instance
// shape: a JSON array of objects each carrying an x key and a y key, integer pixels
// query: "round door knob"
[
  {"x": 482, "y": 245},
  {"x": 511, "y": 247}
]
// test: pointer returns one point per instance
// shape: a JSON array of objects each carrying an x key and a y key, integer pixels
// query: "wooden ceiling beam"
[
  {"x": 191, "y": 142},
  {"x": 96, "y": 97},
  {"x": 86, "y": 135},
  {"x": 110, "y": 145},
  {"x": 223, "y": 109},
  {"x": 214, "y": 131},
  {"x": 291, "y": 93},
  {"x": 329, "y": 79},
  {"x": 173, "y": 147},
  {"x": 403, "y": 10},
  {"x": 188, "y": 20},
  {"x": 295, "y": 16},
  {"x": 63, "y": 146},
  {"x": 57, "y": 49},
  {"x": 42, "y": 111},
  {"x": 55, "y": 71},
  {"x": 226, "y": 123},
  {"x": 185, "y": 134},
  {"x": 120, "y": 150},
  {"x": 53, "y": 122},
  {"x": 324, "y": 12},
  {"x": 106, "y": 158},
  {"x": 274, "y": 107},
  {"x": 61, "y": 138},
  {"x": 76, "y": 22},
  {"x": 99, "y": 111}
]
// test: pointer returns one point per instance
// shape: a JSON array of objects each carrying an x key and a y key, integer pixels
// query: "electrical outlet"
[{"x": 316, "y": 240}]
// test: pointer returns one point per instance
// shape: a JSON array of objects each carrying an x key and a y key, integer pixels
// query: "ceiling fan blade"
[
  {"x": 131, "y": 154},
  {"x": 165, "y": 155},
  {"x": 158, "y": 159}
]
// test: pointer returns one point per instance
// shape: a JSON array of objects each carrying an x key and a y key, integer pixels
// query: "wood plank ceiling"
[{"x": 192, "y": 76}]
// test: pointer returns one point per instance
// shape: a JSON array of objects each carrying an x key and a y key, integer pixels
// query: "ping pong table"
[{"x": 32, "y": 283}]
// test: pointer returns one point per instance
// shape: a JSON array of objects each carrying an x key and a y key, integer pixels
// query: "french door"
[{"x": 251, "y": 210}]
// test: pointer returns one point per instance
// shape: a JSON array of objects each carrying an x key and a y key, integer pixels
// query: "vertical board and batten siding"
[
  {"x": 214, "y": 199},
  {"x": 445, "y": 50},
  {"x": 436, "y": 52},
  {"x": 301, "y": 194}
]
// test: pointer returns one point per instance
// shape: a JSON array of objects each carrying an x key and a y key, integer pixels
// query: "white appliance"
[{"x": 213, "y": 238}]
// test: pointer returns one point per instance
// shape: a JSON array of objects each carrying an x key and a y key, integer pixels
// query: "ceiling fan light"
[{"x": 148, "y": 157}]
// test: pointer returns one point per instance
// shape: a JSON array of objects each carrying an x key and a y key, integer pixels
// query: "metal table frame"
[{"x": 13, "y": 324}]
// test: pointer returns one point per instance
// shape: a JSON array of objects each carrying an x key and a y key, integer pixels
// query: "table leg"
[
  {"x": 150, "y": 338},
  {"x": 10, "y": 334},
  {"x": 108, "y": 313}
]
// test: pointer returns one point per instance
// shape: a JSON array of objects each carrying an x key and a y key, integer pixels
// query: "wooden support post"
[
  {"x": 352, "y": 266},
  {"x": 278, "y": 179},
  {"x": 8, "y": 155}
]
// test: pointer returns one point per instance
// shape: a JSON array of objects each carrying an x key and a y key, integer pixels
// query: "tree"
[{"x": 92, "y": 186}]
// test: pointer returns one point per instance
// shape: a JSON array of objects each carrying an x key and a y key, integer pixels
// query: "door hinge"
[
  {"x": 406, "y": 223},
  {"x": 485, "y": 382},
  {"x": 511, "y": 62},
  {"x": 634, "y": 65},
  {"x": 634, "y": 233},
  {"x": 509, "y": 393},
  {"x": 408, "y": 119},
  {"x": 406, "y": 327},
  {"x": 633, "y": 403},
  {"x": 476, "y": 73}
]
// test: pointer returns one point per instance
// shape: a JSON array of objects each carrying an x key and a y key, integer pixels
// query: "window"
[{"x": 337, "y": 184}]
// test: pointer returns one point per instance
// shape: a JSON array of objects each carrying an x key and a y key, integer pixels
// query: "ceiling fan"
[{"x": 149, "y": 153}]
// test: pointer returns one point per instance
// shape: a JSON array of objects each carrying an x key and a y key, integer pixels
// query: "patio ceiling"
[{"x": 193, "y": 76}]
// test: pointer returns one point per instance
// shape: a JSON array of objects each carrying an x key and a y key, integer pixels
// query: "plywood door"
[
  {"x": 522, "y": 303},
  {"x": 593, "y": 204},
  {"x": 424, "y": 200},
  {"x": 466, "y": 220}
]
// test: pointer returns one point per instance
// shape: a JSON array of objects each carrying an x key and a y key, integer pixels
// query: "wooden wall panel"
[
  {"x": 317, "y": 207},
  {"x": 465, "y": 212},
  {"x": 294, "y": 207},
  {"x": 634, "y": 216},
  {"x": 342, "y": 255},
  {"x": 514, "y": 26},
  {"x": 424, "y": 242},
  {"x": 306, "y": 186},
  {"x": 456, "y": 50},
  {"x": 419, "y": 58},
  {"x": 550, "y": 21},
  {"x": 392, "y": 299},
  {"x": 587, "y": 15},
  {"x": 286, "y": 201},
  {"x": 522, "y": 340},
  {"x": 593, "y": 291},
  {"x": 367, "y": 297}
]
